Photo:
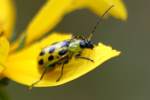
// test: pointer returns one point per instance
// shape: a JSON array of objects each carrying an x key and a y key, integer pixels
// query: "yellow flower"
[
  {"x": 4, "y": 49},
  {"x": 7, "y": 18},
  {"x": 22, "y": 65}
]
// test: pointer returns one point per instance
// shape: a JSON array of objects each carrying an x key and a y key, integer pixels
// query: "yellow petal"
[
  {"x": 4, "y": 49},
  {"x": 7, "y": 17},
  {"x": 23, "y": 67},
  {"x": 119, "y": 10},
  {"x": 100, "y": 6},
  {"x": 46, "y": 19}
]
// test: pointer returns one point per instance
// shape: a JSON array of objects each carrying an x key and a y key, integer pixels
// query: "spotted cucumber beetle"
[{"x": 61, "y": 52}]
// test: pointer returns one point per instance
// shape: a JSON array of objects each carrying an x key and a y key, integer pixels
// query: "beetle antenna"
[{"x": 98, "y": 22}]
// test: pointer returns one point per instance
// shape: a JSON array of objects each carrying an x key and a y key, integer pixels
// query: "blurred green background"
[{"x": 123, "y": 78}]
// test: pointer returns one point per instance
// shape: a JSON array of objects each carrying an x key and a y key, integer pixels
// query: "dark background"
[{"x": 123, "y": 78}]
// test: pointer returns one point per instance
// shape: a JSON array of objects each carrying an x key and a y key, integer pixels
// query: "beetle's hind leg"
[
  {"x": 62, "y": 69},
  {"x": 33, "y": 84},
  {"x": 61, "y": 73},
  {"x": 44, "y": 71}
]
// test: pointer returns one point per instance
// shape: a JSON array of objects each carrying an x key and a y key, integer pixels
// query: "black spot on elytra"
[
  {"x": 62, "y": 52},
  {"x": 50, "y": 58},
  {"x": 41, "y": 62},
  {"x": 51, "y": 50},
  {"x": 65, "y": 44},
  {"x": 42, "y": 53}
]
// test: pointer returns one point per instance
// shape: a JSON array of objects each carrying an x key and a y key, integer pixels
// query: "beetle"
[{"x": 60, "y": 53}]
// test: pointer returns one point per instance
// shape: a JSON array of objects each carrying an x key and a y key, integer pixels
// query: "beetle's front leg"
[{"x": 85, "y": 58}]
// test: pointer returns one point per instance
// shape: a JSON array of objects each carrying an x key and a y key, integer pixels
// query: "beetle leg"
[
  {"x": 32, "y": 85},
  {"x": 85, "y": 58},
  {"x": 42, "y": 76},
  {"x": 62, "y": 68},
  {"x": 61, "y": 73}
]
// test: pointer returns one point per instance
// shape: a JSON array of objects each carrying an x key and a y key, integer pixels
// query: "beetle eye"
[
  {"x": 90, "y": 44},
  {"x": 82, "y": 44}
]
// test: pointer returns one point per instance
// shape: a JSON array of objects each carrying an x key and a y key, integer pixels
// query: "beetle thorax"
[{"x": 74, "y": 46}]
